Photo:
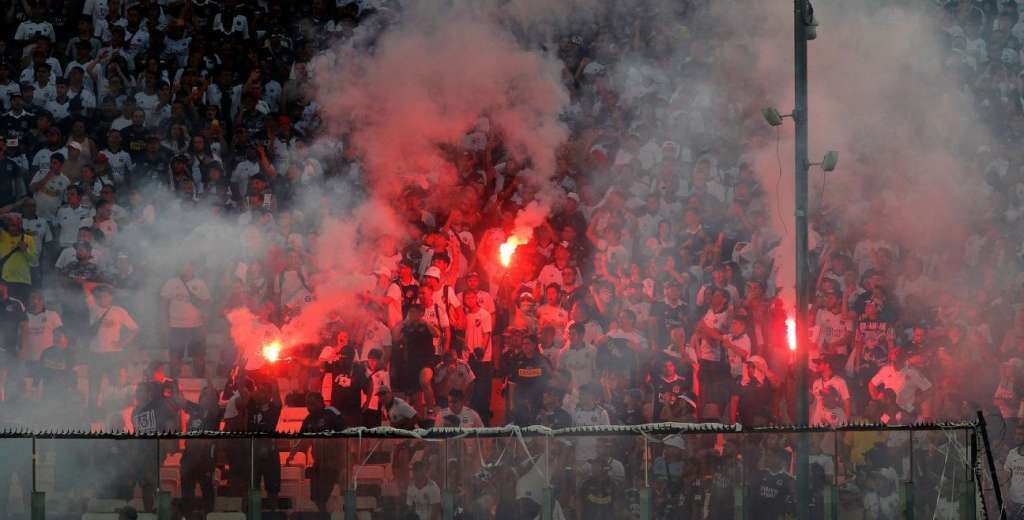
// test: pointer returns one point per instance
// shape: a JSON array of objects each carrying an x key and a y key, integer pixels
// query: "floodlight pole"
[{"x": 800, "y": 20}]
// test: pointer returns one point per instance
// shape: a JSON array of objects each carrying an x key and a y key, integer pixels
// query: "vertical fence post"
[
  {"x": 447, "y": 496},
  {"x": 163, "y": 497},
  {"x": 908, "y": 484},
  {"x": 968, "y": 507},
  {"x": 547, "y": 506},
  {"x": 38, "y": 497},
  {"x": 646, "y": 498},
  {"x": 350, "y": 504},
  {"x": 255, "y": 499}
]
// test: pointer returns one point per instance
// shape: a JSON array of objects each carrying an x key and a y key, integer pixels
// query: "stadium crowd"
[{"x": 649, "y": 295}]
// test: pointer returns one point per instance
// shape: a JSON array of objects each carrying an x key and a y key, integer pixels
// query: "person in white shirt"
[
  {"x": 578, "y": 357},
  {"x": 1014, "y": 466},
  {"x": 48, "y": 186},
  {"x": 119, "y": 159},
  {"x": 245, "y": 170},
  {"x": 36, "y": 25},
  {"x": 485, "y": 298},
  {"x": 905, "y": 381},
  {"x": 457, "y": 414},
  {"x": 110, "y": 329},
  {"x": 395, "y": 412},
  {"x": 479, "y": 327},
  {"x": 423, "y": 496},
  {"x": 831, "y": 397},
  {"x": 71, "y": 217},
  {"x": 588, "y": 413},
  {"x": 737, "y": 345},
  {"x": 36, "y": 226},
  {"x": 375, "y": 336},
  {"x": 379, "y": 378},
  {"x": 37, "y": 329},
  {"x": 185, "y": 297}
]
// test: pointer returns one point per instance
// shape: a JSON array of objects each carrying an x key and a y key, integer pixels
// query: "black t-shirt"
[
  {"x": 12, "y": 313},
  {"x": 413, "y": 351},
  {"x": 156, "y": 416},
  {"x": 325, "y": 451},
  {"x": 262, "y": 418},
  {"x": 598, "y": 497},
  {"x": 410, "y": 293},
  {"x": 348, "y": 382},
  {"x": 554, "y": 419},
  {"x": 666, "y": 318},
  {"x": 56, "y": 372},
  {"x": 755, "y": 404},
  {"x": 530, "y": 374},
  {"x": 12, "y": 184},
  {"x": 773, "y": 497}
]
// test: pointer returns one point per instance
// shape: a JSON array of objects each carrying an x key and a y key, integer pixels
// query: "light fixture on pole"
[
  {"x": 829, "y": 162},
  {"x": 773, "y": 117}
]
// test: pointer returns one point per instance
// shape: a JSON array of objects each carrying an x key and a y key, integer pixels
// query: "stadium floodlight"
[
  {"x": 773, "y": 117},
  {"x": 829, "y": 162}
]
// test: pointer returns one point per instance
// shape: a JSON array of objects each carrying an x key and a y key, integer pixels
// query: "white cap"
[{"x": 433, "y": 271}]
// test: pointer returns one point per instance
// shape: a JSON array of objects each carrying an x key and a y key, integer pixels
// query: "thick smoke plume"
[{"x": 884, "y": 96}]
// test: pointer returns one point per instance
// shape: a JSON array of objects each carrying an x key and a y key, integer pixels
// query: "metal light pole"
[{"x": 801, "y": 17}]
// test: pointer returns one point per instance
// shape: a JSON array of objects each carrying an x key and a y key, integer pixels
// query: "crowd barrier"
[{"x": 654, "y": 471}]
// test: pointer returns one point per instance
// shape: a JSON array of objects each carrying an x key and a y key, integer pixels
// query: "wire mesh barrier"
[{"x": 660, "y": 471}]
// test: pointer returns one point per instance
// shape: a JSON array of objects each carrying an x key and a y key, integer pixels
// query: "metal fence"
[{"x": 663, "y": 471}]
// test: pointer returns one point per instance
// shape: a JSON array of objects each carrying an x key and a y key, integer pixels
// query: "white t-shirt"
[
  {"x": 243, "y": 172},
  {"x": 735, "y": 361},
  {"x": 182, "y": 310},
  {"x": 1014, "y": 465},
  {"x": 423, "y": 500},
  {"x": 467, "y": 418},
  {"x": 706, "y": 350},
  {"x": 39, "y": 333},
  {"x": 39, "y": 228},
  {"x": 552, "y": 316},
  {"x": 586, "y": 447},
  {"x": 120, "y": 163},
  {"x": 580, "y": 362},
  {"x": 905, "y": 383},
  {"x": 49, "y": 198},
  {"x": 377, "y": 379},
  {"x": 377, "y": 336},
  {"x": 478, "y": 325},
  {"x": 70, "y": 220},
  {"x": 108, "y": 337},
  {"x": 823, "y": 414},
  {"x": 831, "y": 327}
]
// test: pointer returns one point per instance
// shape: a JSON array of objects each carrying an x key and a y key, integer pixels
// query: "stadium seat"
[
  {"x": 291, "y": 419},
  {"x": 217, "y": 515},
  {"x": 100, "y": 516},
  {"x": 104, "y": 505},
  {"x": 299, "y": 460},
  {"x": 173, "y": 460},
  {"x": 227, "y": 504}
]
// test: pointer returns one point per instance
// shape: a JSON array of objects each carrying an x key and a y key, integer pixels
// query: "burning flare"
[
  {"x": 791, "y": 333},
  {"x": 272, "y": 351},
  {"x": 509, "y": 247}
]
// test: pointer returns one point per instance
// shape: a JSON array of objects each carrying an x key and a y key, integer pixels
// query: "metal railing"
[{"x": 655, "y": 471}]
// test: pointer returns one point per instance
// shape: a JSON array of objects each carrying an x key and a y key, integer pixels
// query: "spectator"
[
  {"x": 831, "y": 396},
  {"x": 185, "y": 297}
]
